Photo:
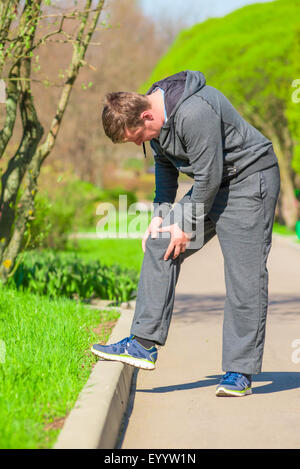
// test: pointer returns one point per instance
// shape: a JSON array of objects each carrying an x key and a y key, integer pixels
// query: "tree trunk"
[
  {"x": 288, "y": 206},
  {"x": 287, "y": 211},
  {"x": 30, "y": 155}
]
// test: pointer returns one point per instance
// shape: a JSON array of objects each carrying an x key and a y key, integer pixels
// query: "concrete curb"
[{"x": 96, "y": 418}]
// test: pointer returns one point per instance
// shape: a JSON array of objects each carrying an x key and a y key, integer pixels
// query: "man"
[{"x": 193, "y": 128}]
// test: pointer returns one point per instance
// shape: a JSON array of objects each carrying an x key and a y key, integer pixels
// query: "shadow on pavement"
[
  {"x": 279, "y": 381},
  {"x": 184, "y": 387},
  {"x": 191, "y": 308}
]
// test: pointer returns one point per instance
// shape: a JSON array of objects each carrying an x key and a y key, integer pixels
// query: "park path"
[{"x": 175, "y": 406}]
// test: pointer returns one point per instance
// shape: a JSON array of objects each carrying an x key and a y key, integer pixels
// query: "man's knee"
[{"x": 162, "y": 239}]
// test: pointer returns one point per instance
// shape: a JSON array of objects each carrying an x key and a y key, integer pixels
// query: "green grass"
[
  {"x": 45, "y": 365},
  {"x": 120, "y": 222},
  {"x": 47, "y": 360},
  {"x": 124, "y": 252},
  {"x": 285, "y": 231}
]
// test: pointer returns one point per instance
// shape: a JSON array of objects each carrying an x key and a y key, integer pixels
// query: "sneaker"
[
  {"x": 129, "y": 351},
  {"x": 234, "y": 384}
]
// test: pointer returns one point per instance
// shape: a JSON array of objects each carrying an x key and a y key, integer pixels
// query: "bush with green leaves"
[
  {"x": 71, "y": 208},
  {"x": 112, "y": 196},
  {"x": 66, "y": 274}
]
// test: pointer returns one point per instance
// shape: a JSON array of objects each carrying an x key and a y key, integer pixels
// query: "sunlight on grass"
[
  {"x": 124, "y": 252},
  {"x": 46, "y": 364}
]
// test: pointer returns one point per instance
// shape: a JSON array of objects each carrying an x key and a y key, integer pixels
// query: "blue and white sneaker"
[
  {"x": 234, "y": 384},
  {"x": 129, "y": 351}
]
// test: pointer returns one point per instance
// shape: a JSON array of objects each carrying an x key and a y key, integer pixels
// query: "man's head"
[{"x": 132, "y": 117}]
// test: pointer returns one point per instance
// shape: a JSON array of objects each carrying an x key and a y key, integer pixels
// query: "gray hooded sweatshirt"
[{"x": 206, "y": 138}]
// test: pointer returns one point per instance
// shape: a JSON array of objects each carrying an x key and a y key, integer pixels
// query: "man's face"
[
  {"x": 144, "y": 133},
  {"x": 138, "y": 135}
]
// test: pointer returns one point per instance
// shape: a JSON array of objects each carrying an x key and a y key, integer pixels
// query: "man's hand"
[
  {"x": 152, "y": 229},
  {"x": 179, "y": 240}
]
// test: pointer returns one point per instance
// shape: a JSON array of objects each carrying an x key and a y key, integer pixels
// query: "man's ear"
[{"x": 147, "y": 115}]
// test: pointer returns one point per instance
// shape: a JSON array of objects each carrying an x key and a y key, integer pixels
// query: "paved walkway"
[{"x": 175, "y": 406}]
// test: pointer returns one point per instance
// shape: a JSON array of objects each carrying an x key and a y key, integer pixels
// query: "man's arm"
[
  {"x": 166, "y": 184},
  {"x": 166, "y": 176},
  {"x": 201, "y": 130}
]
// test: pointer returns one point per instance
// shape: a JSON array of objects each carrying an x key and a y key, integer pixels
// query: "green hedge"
[
  {"x": 70, "y": 208},
  {"x": 66, "y": 274}
]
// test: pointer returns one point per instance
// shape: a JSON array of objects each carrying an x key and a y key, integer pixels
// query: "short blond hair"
[{"x": 121, "y": 111}]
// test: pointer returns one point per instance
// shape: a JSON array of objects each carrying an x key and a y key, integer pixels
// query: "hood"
[{"x": 177, "y": 88}]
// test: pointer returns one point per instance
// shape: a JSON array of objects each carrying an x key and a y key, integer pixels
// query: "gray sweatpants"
[{"x": 242, "y": 216}]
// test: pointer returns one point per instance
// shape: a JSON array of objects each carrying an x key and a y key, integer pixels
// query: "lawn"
[
  {"x": 44, "y": 363},
  {"x": 121, "y": 222},
  {"x": 44, "y": 350},
  {"x": 124, "y": 252},
  {"x": 283, "y": 230}
]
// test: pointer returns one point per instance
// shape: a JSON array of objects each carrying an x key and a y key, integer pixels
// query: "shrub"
[
  {"x": 72, "y": 207},
  {"x": 112, "y": 195},
  {"x": 66, "y": 274}
]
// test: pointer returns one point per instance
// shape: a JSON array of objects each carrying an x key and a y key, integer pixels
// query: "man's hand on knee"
[
  {"x": 179, "y": 240},
  {"x": 152, "y": 229}
]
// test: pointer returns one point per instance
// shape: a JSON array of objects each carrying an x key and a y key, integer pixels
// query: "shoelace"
[
  {"x": 125, "y": 341},
  {"x": 232, "y": 377}
]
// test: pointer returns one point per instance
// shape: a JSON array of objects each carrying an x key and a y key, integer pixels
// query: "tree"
[
  {"x": 118, "y": 65},
  {"x": 24, "y": 27},
  {"x": 252, "y": 56}
]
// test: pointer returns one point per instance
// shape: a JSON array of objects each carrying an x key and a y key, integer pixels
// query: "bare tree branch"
[{"x": 30, "y": 155}]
